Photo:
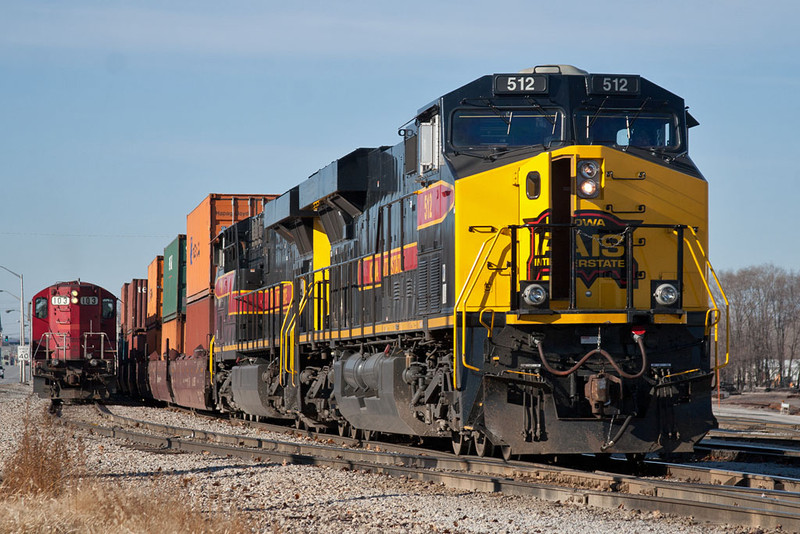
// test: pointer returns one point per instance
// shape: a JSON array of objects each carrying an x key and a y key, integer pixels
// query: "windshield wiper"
[
  {"x": 496, "y": 152},
  {"x": 629, "y": 125},
  {"x": 538, "y": 107},
  {"x": 500, "y": 152},
  {"x": 479, "y": 156},
  {"x": 497, "y": 111},
  {"x": 594, "y": 117}
]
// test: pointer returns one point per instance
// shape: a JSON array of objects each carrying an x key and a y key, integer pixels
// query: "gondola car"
[{"x": 74, "y": 342}]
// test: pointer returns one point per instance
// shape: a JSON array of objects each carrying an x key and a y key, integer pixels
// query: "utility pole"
[{"x": 23, "y": 377}]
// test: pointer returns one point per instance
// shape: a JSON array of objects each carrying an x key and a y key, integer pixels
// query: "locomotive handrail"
[
  {"x": 303, "y": 302},
  {"x": 490, "y": 326},
  {"x": 713, "y": 323},
  {"x": 281, "y": 355},
  {"x": 465, "y": 297},
  {"x": 211, "y": 360},
  {"x": 275, "y": 305},
  {"x": 322, "y": 310},
  {"x": 287, "y": 338},
  {"x": 625, "y": 232},
  {"x": 103, "y": 337},
  {"x": 47, "y": 336},
  {"x": 715, "y": 310}
]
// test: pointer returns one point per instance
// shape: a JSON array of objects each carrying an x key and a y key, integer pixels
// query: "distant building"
[{"x": 7, "y": 353}]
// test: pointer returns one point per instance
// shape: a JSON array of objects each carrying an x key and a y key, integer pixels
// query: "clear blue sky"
[{"x": 117, "y": 118}]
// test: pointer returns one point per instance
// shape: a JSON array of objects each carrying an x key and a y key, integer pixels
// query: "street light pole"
[{"x": 22, "y": 374}]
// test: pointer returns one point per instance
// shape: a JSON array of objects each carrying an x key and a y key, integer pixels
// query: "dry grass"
[
  {"x": 102, "y": 509},
  {"x": 46, "y": 459},
  {"x": 45, "y": 489}
]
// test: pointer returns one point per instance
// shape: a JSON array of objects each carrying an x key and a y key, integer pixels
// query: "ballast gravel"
[{"x": 307, "y": 499}]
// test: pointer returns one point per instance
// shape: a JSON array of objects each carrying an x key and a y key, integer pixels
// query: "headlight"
[
  {"x": 588, "y": 178},
  {"x": 589, "y": 188},
  {"x": 588, "y": 168},
  {"x": 534, "y": 294},
  {"x": 74, "y": 300},
  {"x": 666, "y": 294}
]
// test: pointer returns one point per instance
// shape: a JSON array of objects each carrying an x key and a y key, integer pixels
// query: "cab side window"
[
  {"x": 108, "y": 308},
  {"x": 40, "y": 308}
]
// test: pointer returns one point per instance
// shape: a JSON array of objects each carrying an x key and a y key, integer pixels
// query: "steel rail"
[
  {"x": 752, "y": 507},
  {"x": 764, "y": 448},
  {"x": 735, "y": 423},
  {"x": 653, "y": 468}
]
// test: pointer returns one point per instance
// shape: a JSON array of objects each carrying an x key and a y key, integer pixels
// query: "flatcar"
[
  {"x": 73, "y": 340},
  {"x": 525, "y": 270}
]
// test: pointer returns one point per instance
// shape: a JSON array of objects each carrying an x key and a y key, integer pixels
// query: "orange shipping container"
[
  {"x": 155, "y": 274},
  {"x": 215, "y": 213},
  {"x": 172, "y": 335}
]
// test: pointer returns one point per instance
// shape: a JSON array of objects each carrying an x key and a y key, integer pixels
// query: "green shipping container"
[{"x": 174, "y": 286}]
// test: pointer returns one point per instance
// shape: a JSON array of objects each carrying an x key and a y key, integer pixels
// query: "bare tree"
[{"x": 765, "y": 324}]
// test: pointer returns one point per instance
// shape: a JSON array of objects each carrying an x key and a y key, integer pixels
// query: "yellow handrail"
[
  {"x": 462, "y": 295},
  {"x": 489, "y": 327},
  {"x": 290, "y": 329},
  {"x": 281, "y": 345},
  {"x": 715, "y": 309},
  {"x": 211, "y": 359}
]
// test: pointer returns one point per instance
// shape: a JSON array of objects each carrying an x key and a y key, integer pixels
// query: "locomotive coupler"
[{"x": 598, "y": 391}]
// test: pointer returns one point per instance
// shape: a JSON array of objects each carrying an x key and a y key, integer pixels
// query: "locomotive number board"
[
  {"x": 507, "y": 84},
  {"x": 613, "y": 84},
  {"x": 64, "y": 300}
]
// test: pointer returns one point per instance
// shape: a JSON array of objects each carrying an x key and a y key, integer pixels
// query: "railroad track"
[
  {"x": 714, "y": 495},
  {"x": 758, "y": 425},
  {"x": 752, "y": 440}
]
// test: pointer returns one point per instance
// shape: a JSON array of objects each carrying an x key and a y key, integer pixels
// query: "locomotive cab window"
[
  {"x": 40, "y": 308},
  {"x": 108, "y": 308},
  {"x": 505, "y": 128},
  {"x": 629, "y": 128}
]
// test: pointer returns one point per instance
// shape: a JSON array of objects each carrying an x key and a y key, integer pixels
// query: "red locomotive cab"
[
  {"x": 73, "y": 337},
  {"x": 74, "y": 322}
]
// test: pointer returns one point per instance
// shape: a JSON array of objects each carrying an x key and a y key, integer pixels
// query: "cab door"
[{"x": 545, "y": 200}]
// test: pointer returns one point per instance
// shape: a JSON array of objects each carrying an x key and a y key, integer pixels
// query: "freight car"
[
  {"x": 132, "y": 341},
  {"x": 73, "y": 338},
  {"x": 526, "y": 270}
]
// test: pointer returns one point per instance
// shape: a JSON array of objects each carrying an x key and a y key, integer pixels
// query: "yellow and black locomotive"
[{"x": 525, "y": 270}]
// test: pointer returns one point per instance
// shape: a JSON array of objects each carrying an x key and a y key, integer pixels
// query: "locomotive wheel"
[
  {"x": 342, "y": 427},
  {"x": 355, "y": 433},
  {"x": 505, "y": 451},
  {"x": 368, "y": 435},
  {"x": 461, "y": 444},
  {"x": 483, "y": 447}
]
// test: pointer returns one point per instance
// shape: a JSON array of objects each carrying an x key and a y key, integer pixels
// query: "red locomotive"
[{"x": 74, "y": 342}]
